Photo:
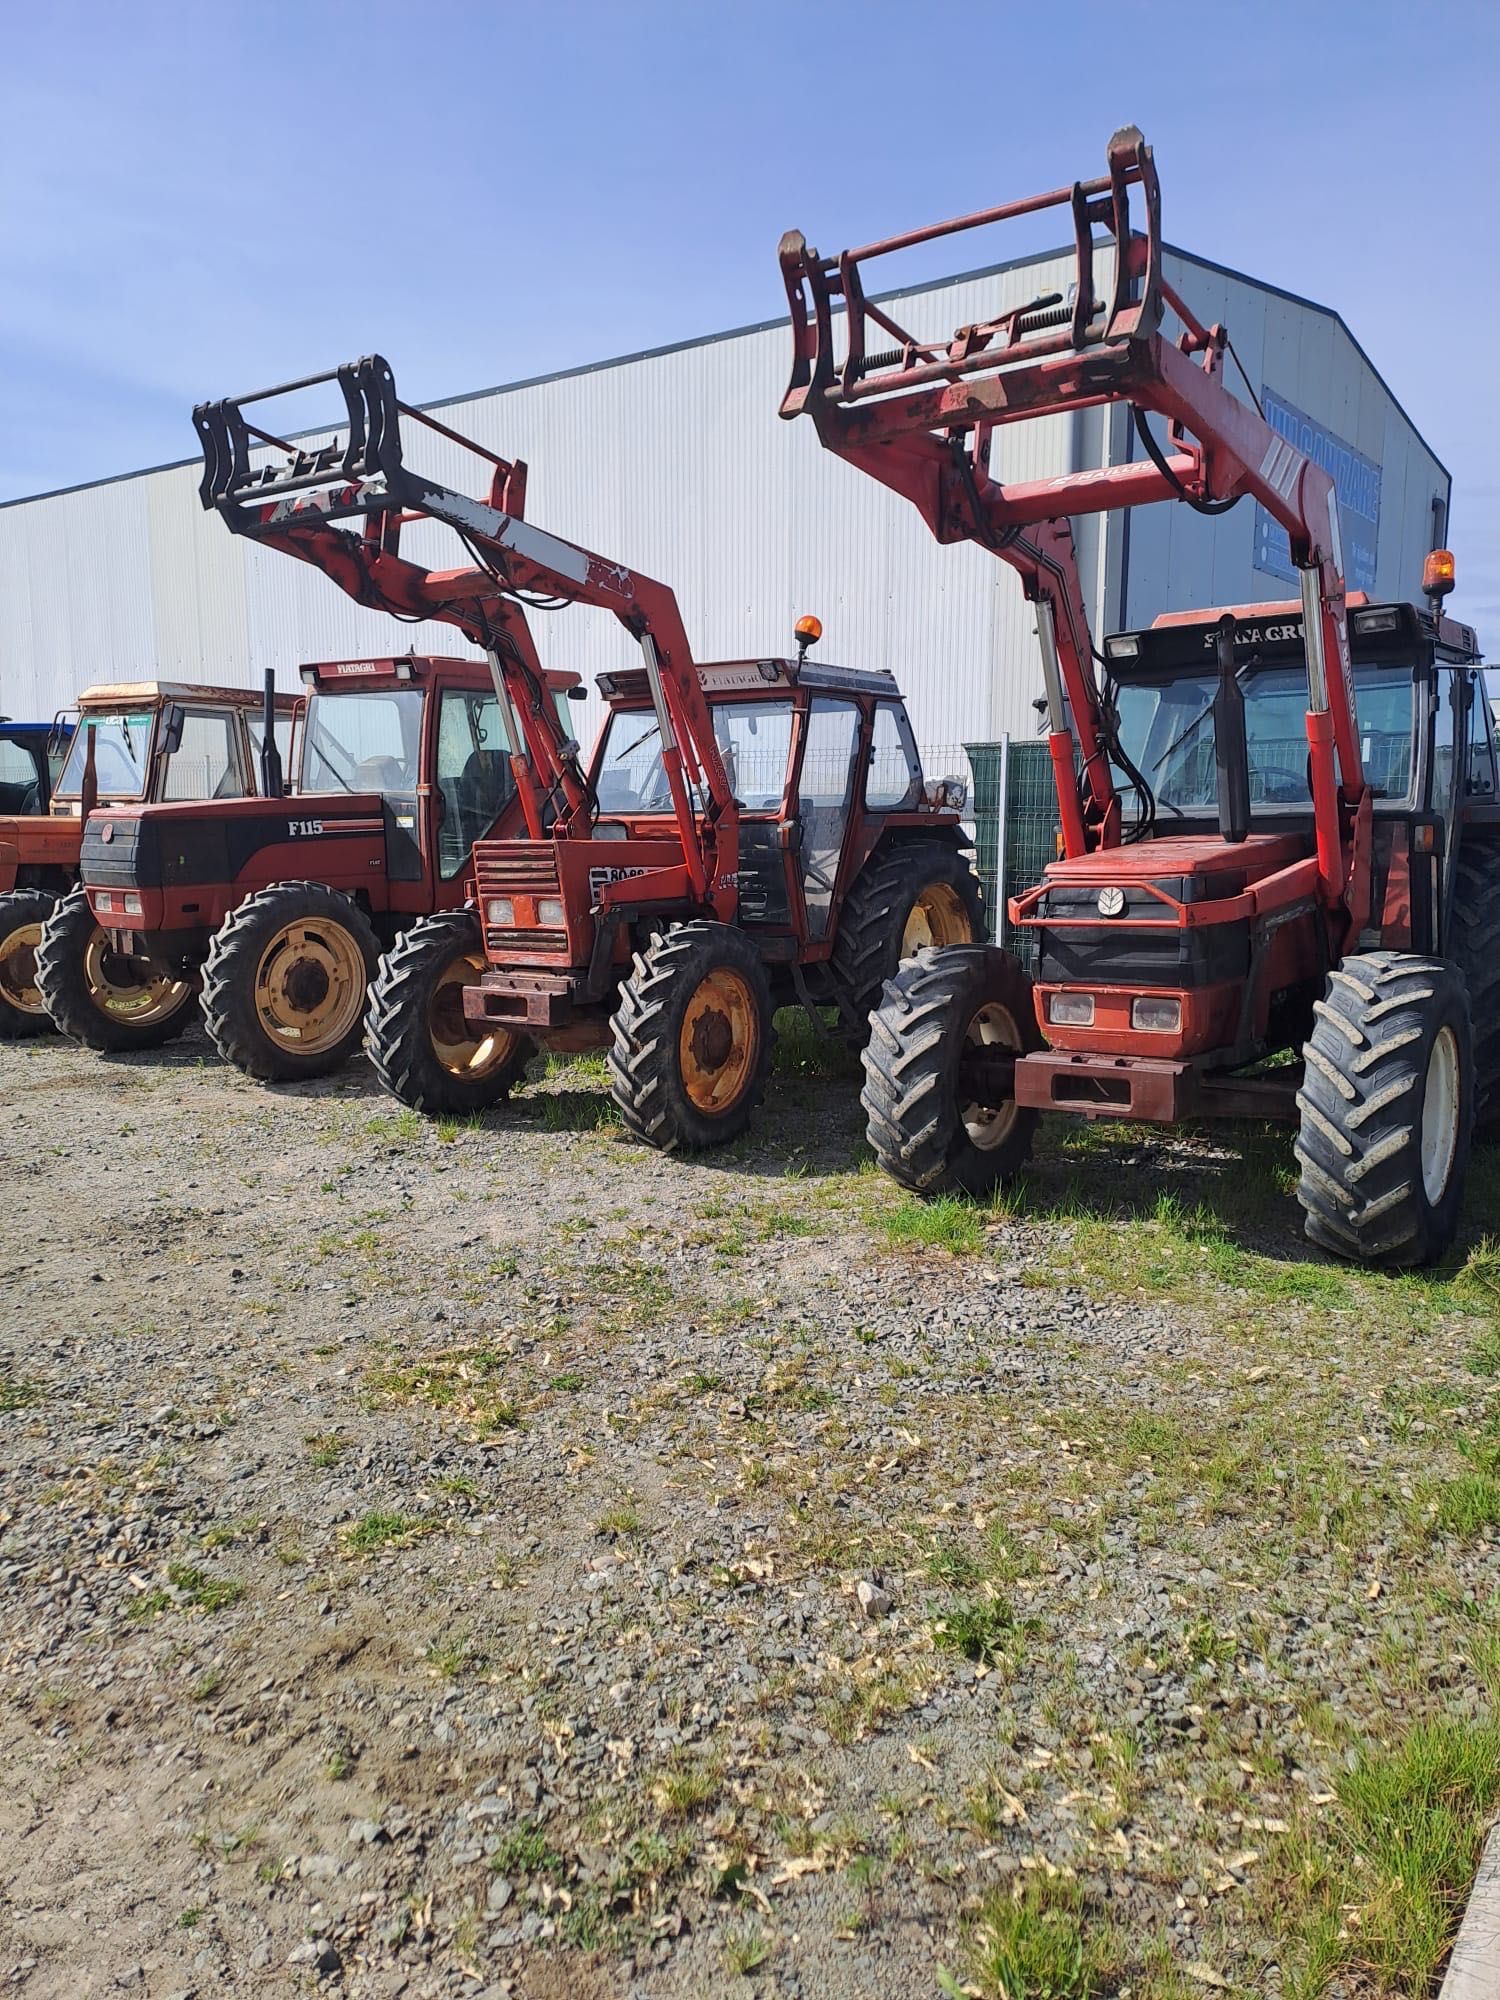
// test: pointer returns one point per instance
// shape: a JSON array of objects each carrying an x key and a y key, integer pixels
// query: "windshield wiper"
[{"x": 645, "y": 737}]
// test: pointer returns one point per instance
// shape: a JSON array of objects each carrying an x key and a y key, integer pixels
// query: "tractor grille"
[
  {"x": 522, "y": 871},
  {"x": 511, "y": 867}
]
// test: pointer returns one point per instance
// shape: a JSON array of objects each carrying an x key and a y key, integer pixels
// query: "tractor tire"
[
  {"x": 692, "y": 1038},
  {"x": 420, "y": 1045},
  {"x": 106, "y": 1001},
  {"x": 936, "y": 1008},
  {"x": 286, "y": 979},
  {"x": 1476, "y": 952},
  {"x": 1387, "y": 1104},
  {"x": 22, "y": 1010},
  {"x": 908, "y": 896}
]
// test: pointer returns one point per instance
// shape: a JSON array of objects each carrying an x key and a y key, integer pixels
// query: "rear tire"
[
  {"x": 1387, "y": 1103},
  {"x": 106, "y": 1001},
  {"x": 692, "y": 1038},
  {"x": 923, "y": 1129},
  {"x": 22, "y": 1010},
  {"x": 1476, "y": 952},
  {"x": 909, "y": 896},
  {"x": 286, "y": 979},
  {"x": 420, "y": 1046}
]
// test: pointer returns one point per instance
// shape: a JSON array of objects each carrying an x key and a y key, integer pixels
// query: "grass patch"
[
  {"x": 377, "y": 1530},
  {"x": 526, "y": 1850},
  {"x": 570, "y": 1382},
  {"x": 188, "y": 1589},
  {"x": 622, "y": 1520},
  {"x": 461, "y": 1380},
  {"x": 980, "y": 1627},
  {"x": 326, "y": 1449},
  {"x": 746, "y": 1949},
  {"x": 1382, "y": 1883},
  {"x": 16, "y": 1393},
  {"x": 949, "y": 1223},
  {"x": 685, "y": 1790},
  {"x": 1035, "y": 1943},
  {"x": 1466, "y": 1506}
]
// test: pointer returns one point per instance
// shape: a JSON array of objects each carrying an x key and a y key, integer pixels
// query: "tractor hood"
[{"x": 211, "y": 841}]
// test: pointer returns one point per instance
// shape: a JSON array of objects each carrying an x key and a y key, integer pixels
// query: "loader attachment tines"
[{"x": 1049, "y": 325}]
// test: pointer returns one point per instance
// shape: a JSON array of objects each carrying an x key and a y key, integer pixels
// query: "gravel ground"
[{"x": 497, "y": 1560}]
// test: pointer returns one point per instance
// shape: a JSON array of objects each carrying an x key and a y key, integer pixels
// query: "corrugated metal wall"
[{"x": 678, "y": 464}]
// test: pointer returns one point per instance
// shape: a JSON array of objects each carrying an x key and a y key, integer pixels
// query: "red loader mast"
[
  {"x": 294, "y": 503},
  {"x": 919, "y": 415}
]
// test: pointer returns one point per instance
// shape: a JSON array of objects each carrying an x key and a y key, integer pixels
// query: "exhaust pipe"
[
  {"x": 1231, "y": 748},
  {"x": 272, "y": 782}
]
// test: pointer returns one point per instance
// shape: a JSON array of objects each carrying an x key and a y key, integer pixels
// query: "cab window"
[
  {"x": 257, "y": 725},
  {"x": 473, "y": 772},
  {"x": 20, "y": 782},
  {"x": 206, "y": 764},
  {"x": 893, "y": 782},
  {"x": 1480, "y": 773}
]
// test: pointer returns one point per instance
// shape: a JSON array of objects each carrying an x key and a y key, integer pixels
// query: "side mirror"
[{"x": 173, "y": 720}]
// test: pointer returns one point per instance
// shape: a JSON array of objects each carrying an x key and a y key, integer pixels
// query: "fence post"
[{"x": 1000, "y": 924}]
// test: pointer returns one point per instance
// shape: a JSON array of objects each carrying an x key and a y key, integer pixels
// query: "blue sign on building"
[{"x": 1356, "y": 480}]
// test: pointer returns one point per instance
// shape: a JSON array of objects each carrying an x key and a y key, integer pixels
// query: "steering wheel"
[{"x": 1278, "y": 784}]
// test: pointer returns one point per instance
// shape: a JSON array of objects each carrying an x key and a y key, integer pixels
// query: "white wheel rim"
[
  {"x": 1440, "y": 1115},
  {"x": 989, "y": 1126}
]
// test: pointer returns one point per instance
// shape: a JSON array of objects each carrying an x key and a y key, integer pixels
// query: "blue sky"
[{"x": 204, "y": 198}]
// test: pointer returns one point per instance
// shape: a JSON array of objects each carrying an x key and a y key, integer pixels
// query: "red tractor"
[
  {"x": 746, "y": 834},
  {"x": 283, "y": 903},
  {"x": 138, "y": 741},
  {"x": 1279, "y": 823}
]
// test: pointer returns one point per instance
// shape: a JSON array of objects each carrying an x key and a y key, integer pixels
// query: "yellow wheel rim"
[
  {"x": 719, "y": 1044},
  {"x": 990, "y": 1125},
  {"x": 454, "y": 1042},
  {"x": 938, "y": 917},
  {"x": 126, "y": 989},
  {"x": 18, "y": 969},
  {"x": 310, "y": 985}
]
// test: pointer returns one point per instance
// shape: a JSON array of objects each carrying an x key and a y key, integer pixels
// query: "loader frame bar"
[{"x": 920, "y": 416}]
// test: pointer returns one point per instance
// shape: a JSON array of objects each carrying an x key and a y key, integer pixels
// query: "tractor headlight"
[
  {"x": 549, "y": 913},
  {"x": 103, "y": 902},
  {"x": 131, "y": 906},
  {"x": 1159, "y": 1016},
  {"x": 1071, "y": 1010},
  {"x": 501, "y": 910}
]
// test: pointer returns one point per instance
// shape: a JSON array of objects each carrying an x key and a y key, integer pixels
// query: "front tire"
[
  {"x": 420, "y": 1045},
  {"x": 100, "y": 997},
  {"x": 692, "y": 1038},
  {"x": 22, "y": 1010},
  {"x": 285, "y": 982},
  {"x": 1387, "y": 1104},
  {"x": 935, "y": 1123},
  {"x": 910, "y": 896}
]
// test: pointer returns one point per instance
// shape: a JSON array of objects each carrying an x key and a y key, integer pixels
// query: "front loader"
[
  {"x": 746, "y": 834},
  {"x": 1279, "y": 829}
]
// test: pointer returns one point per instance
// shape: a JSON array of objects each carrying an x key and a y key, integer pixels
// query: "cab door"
[{"x": 825, "y": 800}]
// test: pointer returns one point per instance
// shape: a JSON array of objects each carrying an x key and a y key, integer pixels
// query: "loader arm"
[
  {"x": 919, "y": 415},
  {"x": 294, "y": 502}
]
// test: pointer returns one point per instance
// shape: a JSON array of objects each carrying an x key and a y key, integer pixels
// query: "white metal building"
[{"x": 676, "y": 462}]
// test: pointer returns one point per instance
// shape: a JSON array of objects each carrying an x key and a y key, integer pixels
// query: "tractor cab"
[
  {"x": 821, "y": 763},
  {"x": 1181, "y": 942},
  {"x": 809, "y": 750}
]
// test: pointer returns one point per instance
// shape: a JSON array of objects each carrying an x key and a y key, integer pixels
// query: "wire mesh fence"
[{"x": 1012, "y": 815}]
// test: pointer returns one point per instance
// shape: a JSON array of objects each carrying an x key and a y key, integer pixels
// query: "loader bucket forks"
[
  {"x": 919, "y": 413},
  {"x": 294, "y": 501}
]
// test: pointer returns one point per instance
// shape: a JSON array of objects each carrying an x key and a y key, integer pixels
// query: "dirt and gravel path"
[{"x": 447, "y": 1561}]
